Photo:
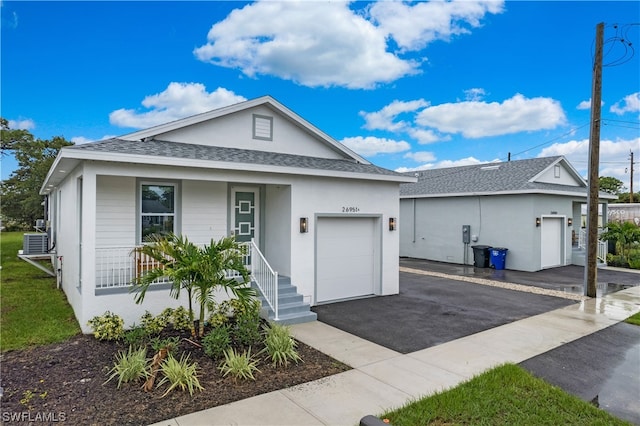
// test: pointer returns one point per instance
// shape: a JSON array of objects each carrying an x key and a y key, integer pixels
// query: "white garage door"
[
  {"x": 551, "y": 242},
  {"x": 345, "y": 257}
]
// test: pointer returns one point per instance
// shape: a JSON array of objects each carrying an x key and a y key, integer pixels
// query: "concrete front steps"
[{"x": 290, "y": 304}]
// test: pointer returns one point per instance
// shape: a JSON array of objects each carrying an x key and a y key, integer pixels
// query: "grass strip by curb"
[{"x": 506, "y": 395}]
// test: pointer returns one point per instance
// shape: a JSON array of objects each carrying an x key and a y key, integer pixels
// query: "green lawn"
[
  {"x": 32, "y": 310},
  {"x": 634, "y": 319},
  {"x": 506, "y": 395}
]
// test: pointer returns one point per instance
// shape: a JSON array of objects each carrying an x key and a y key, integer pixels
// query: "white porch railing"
[
  {"x": 117, "y": 267},
  {"x": 264, "y": 276},
  {"x": 602, "y": 245}
]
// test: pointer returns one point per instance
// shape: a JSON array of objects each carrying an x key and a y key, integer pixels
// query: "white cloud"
[
  {"x": 79, "y": 140},
  {"x": 421, "y": 156},
  {"x": 441, "y": 164},
  {"x": 475, "y": 94},
  {"x": 414, "y": 26},
  {"x": 370, "y": 146},
  {"x": 177, "y": 101},
  {"x": 614, "y": 155},
  {"x": 587, "y": 104},
  {"x": 584, "y": 105},
  {"x": 630, "y": 103},
  {"x": 323, "y": 44},
  {"x": 385, "y": 118},
  {"x": 480, "y": 119},
  {"x": 21, "y": 124},
  {"x": 426, "y": 136}
]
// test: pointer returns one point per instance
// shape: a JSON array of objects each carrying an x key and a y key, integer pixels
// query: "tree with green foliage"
[
  {"x": 610, "y": 185},
  {"x": 21, "y": 199},
  {"x": 199, "y": 271},
  {"x": 625, "y": 233}
]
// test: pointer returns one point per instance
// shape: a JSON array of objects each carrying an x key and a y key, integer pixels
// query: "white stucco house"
[
  {"x": 323, "y": 217},
  {"x": 530, "y": 207}
]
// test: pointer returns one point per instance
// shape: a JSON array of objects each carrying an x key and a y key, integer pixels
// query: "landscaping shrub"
[
  {"x": 170, "y": 344},
  {"x": 108, "y": 326},
  {"x": 180, "y": 318},
  {"x": 217, "y": 341},
  {"x": 247, "y": 323},
  {"x": 136, "y": 336},
  {"x": 153, "y": 324}
]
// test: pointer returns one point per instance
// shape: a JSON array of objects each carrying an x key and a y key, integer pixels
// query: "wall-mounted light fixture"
[
  {"x": 538, "y": 221},
  {"x": 392, "y": 224},
  {"x": 569, "y": 221},
  {"x": 304, "y": 225}
]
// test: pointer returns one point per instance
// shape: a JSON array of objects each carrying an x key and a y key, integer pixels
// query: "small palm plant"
[{"x": 199, "y": 271}]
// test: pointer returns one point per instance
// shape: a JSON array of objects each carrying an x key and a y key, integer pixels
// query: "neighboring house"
[
  {"x": 319, "y": 213},
  {"x": 531, "y": 207}
]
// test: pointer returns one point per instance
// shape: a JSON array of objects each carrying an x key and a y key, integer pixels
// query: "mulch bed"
[{"x": 65, "y": 383}]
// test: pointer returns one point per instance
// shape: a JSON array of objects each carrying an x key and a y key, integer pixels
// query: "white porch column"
[{"x": 88, "y": 242}]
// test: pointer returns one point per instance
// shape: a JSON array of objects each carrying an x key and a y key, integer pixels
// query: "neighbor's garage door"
[{"x": 345, "y": 257}]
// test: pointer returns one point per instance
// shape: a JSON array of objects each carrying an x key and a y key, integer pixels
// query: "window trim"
[{"x": 177, "y": 201}]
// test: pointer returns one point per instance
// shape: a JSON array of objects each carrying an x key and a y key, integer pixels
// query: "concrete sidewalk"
[{"x": 383, "y": 379}]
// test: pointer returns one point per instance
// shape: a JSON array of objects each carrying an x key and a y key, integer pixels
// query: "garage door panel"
[{"x": 345, "y": 258}]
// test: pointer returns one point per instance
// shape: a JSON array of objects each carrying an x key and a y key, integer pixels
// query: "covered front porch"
[{"x": 118, "y": 267}]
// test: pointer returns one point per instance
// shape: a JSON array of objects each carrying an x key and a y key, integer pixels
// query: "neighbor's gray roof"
[
  {"x": 233, "y": 155},
  {"x": 512, "y": 176}
]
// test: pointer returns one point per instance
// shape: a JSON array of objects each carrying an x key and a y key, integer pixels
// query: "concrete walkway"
[{"x": 382, "y": 379}]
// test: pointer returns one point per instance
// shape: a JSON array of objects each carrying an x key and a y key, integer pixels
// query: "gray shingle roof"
[
  {"x": 512, "y": 176},
  {"x": 170, "y": 150}
]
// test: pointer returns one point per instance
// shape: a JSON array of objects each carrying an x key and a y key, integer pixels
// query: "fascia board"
[
  {"x": 225, "y": 165},
  {"x": 523, "y": 192}
]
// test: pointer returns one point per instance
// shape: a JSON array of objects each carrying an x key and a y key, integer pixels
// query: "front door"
[
  {"x": 552, "y": 247},
  {"x": 245, "y": 214}
]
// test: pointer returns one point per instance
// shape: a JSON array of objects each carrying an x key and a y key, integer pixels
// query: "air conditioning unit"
[{"x": 35, "y": 244}]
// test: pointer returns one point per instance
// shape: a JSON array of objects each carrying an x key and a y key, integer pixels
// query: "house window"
[
  {"x": 262, "y": 127},
  {"x": 556, "y": 171},
  {"x": 158, "y": 209}
]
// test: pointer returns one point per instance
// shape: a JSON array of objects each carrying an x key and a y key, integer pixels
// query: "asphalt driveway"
[
  {"x": 603, "y": 367},
  {"x": 432, "y": 310}
]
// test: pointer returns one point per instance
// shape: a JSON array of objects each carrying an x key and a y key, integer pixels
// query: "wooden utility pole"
[
  {"x": 631, "y": 175},
  {"x": 590, "y": 274}
]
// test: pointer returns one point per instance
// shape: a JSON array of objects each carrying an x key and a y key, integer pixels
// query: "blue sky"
[{"x": 407, "y": 85}]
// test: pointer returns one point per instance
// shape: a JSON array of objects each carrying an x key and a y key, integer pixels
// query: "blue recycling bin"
[{"x": 498, "y": 257}]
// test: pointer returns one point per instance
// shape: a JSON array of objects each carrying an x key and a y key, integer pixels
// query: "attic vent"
[
  {"x": 495, "y": 167},
  {"x": 262, "y": 127}
]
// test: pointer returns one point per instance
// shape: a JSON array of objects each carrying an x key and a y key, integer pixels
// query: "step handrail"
[
  {"x": 602, "y": 246},
  {"x": 264, "y": 276}
]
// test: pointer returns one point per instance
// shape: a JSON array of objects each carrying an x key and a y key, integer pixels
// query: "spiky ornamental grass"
[
  {"x": 130, "y": 366},
  {"x": 239, "y": 365},
  {"x": 279, "y": 345},
  {"x": 180, "y": 374}
]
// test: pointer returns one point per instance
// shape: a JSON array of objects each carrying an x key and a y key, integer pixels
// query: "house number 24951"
[{"x": 350, "y": 209}]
